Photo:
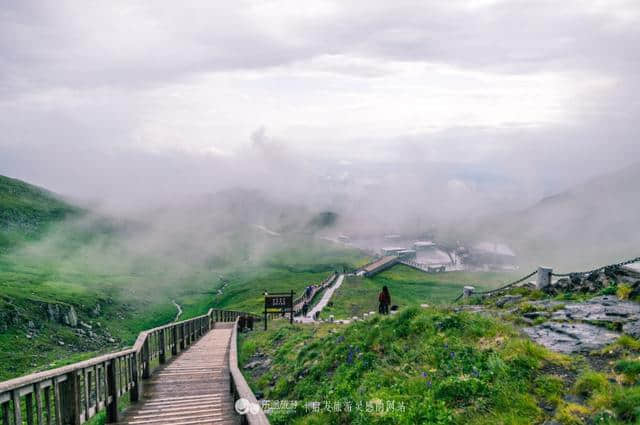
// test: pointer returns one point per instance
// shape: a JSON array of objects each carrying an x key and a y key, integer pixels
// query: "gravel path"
[{"x": 328, "y": 293}]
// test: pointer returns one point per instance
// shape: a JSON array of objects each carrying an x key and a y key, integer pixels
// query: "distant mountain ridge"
[{"x": 595, "y": 221}]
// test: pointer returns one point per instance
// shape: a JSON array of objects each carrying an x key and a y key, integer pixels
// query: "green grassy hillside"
[
  {"x": 119, "y": 277},
  {"x": 408, "y": 287},
  {"x": 431, "y": 366},
  {"x": 26, "y": 211}
]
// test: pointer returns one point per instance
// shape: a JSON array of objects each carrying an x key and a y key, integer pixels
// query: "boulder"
[
  {"x": 508, "y": 300},
  {"x": 70, "y": 317},
  {"x": 62, "y": 313},
  {"x": 96, "y": 311},
  {"x": 632, "y": 328}
]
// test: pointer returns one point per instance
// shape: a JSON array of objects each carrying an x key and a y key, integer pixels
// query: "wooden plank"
[{"x": 192, "y": 387}]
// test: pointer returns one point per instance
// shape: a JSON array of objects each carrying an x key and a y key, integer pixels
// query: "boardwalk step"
[{"x": 191, "y": 389}]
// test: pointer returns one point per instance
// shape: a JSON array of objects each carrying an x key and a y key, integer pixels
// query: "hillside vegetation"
[
  {"x": 73, "y": 284},
  {"x": 429, "y": 366},
  {"x": 26, "y": 211}
]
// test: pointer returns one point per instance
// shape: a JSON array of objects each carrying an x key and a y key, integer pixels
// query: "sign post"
[{"x": 281, "y": 302}]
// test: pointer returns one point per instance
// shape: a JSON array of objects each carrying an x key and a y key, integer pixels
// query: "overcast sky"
[{"x": 97, "y": 98}]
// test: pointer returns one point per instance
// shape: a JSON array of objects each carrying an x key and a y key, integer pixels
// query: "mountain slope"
[
  {"x": 591, "y": 223},
  {"x": 26, "y": 210}
]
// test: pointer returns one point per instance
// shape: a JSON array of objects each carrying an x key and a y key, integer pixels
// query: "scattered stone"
[
  {"x": 70, "y": 318},
  {"x": 96, "y": 311},
  {"x": 60, "y": 342},
  {"x": 606, "y": 308},
  {"x": 62, "y": 313},
  {"x": 424, "y": 305},
  {"x": 86, "y": 325},
  {"x": 632, "y": 328},
  {"x": 261, "y": 363},
  {"x": 536, "y": 314},
  {"x": 31, "y": 325},
  {"x": 508, "y": 300},
  {"x": 111, "y": 340}
]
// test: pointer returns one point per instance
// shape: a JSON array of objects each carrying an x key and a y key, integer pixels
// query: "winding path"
[
  {"x": 179, "y": 313},
  {"x": 322, "y": 303}
]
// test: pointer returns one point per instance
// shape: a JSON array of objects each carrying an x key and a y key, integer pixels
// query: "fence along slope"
[{"x": 75, "y": 393}]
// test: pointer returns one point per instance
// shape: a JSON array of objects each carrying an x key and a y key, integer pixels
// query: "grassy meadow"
[{"x": 408, "y": 287}]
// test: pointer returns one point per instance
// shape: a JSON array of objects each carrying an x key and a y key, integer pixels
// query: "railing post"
[
  {"x": 136, "y": 391},
  {"x": 17, "y": 408},
  {"x": 182, "y": 341},
  {"x": 112, "y": 391},
  {"x": 544, "y": 277},
  {"x": 70, "y": 402},
  {"x": 146, "y": 366},
  {"x": 174, "y": 336},
  {"x": 467, "y": 291},
  {"x": 162, "y": 357}
]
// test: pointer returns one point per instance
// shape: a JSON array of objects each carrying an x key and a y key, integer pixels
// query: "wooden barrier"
[
  {"x": 239, "y": 387},
  {"x": 75, "y": 393},
  {"x": 299, "y": 302}
]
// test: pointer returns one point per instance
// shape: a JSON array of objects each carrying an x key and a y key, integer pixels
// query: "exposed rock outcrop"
[
  {"x": 596, "y": 281},
  {"x": 571, "y": 337},
  {"x": 62, "y": 313}
]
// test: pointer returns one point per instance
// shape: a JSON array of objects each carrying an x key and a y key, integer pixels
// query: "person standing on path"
[{"x": 384, "y": 300}]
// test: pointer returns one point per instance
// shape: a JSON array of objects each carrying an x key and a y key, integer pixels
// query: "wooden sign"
[{"x": 278, "y": 303}]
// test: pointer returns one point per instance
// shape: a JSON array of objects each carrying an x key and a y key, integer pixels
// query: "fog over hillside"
[{"x": 482, "y": 119}]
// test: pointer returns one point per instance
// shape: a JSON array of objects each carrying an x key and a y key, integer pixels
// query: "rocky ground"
[{"x": 594, "y": 318}]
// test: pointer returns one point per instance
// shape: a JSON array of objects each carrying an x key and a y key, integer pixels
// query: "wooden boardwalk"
[{"x": 194, "y": 388}]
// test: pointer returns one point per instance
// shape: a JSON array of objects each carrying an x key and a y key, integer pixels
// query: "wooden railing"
[
  {"x": 299, "y": 302},
  {"x": 240, "y": 389},
  {"x": 75, "y": 393}
]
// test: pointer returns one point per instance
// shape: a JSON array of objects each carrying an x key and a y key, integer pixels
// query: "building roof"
[
  {"x": 424, "y": 243},
  {"x": 378, "y": 263},
  {"x": 494, "y": 248}
]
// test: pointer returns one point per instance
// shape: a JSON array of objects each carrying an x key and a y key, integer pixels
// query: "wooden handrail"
[
  {"x": 75, "y": 393},
  {"x": 239, "y": 387},
  {"x": 299, "y": 302}
]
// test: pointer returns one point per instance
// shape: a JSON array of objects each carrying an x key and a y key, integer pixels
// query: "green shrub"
[
  {"x": 629, "y": 342},
  {"x": 526, "y": 308},
  {"x": 571, "y": 414},
  {"x": 626, "y": 402},
  {"x": 590, "y": 382},
  {"x": 460, "y": 391},
  {"x": 609, "y": 290},
  {"x": 623, "y": 291},
  {"x": 629, "y": 368},
  {"x": 549, "y": 387}
]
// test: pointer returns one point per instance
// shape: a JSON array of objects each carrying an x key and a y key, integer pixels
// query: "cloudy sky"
[{"x": 101, "y": 98}]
